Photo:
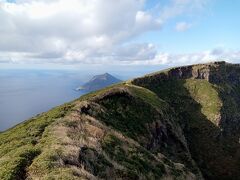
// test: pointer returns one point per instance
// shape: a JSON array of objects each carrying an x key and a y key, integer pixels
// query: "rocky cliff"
[
  {"x": 205, "y": 98},
  {"x": 181, "y": 123}
]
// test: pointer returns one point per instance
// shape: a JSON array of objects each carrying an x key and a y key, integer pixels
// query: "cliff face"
[
  {"x": 217, "y": 72},
  {"x": 182, "y": 123},
  {"x": 223, "y": 76},
  {"x": 205, "y": 98}
]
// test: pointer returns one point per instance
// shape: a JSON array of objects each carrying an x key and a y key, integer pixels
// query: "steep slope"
[
  {"x": 182, "y": 123},
  {"x": 99, "y": 82},
  {"x": 111, "y": 134},
  {"x": 206, "y": 100}
]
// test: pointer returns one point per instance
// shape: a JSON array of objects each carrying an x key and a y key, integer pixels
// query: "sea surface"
[{"x": 26, "y": 93}]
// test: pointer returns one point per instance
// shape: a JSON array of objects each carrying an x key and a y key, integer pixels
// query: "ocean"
[{"x": 26, "y": 93}]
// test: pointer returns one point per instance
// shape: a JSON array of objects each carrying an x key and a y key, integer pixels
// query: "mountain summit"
[
  {"x": 98, "y": 82},
  {"x": 180, "y": 123}
]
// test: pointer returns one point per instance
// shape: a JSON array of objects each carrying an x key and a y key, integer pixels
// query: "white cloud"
[
  {"x": 73, "y": 29},
  {"x": 193, "y": 58},
  {"x": 182, "y": 26},
  {"x": 85, "y": 31}
]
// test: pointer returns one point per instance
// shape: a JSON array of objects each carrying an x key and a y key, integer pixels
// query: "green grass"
[
  {"x": 13, "y": 164},
  {"x": 19, "y": 145},
  {"x": 189, "y": 105},
  {"x": 147, "y": 96},
  {"x": 99, "y": 92},
  {"x": 94, "y": 162},
  {"x": 34, "y": 149},
  {"x": 127, "y": 114},
  {"x": 207, "y": 96},
  {"x": 198, "y": 105},
  {"x": 137, "y": 161}
]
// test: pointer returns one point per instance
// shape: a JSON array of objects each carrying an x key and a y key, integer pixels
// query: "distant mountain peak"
[
  {"x": 107, "y": 74},
  {"x": 98, "y": 82},
  {"x": 102, "y": 76},
  {"x": 179, "y": 123}
]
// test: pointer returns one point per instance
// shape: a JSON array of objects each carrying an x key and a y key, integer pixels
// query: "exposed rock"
[{"x": 182, "y": 123}]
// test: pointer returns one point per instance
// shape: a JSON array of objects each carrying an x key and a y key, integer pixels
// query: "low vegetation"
[
  {"x": 20, "y": 145},
  {"x": 182, "y": 123}
]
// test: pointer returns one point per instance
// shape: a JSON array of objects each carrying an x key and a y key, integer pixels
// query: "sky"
[{"x": 126, "y": 34}]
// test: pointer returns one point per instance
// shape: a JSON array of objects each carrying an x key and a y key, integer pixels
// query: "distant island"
[
  {"x": 98, "y": 82},
  {"x": 182, "y": 123}
]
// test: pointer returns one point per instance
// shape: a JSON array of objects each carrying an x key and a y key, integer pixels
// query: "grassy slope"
[
  {"x": 111, "y": 139},
  {"x": 199, "y": 106},
  {"x": 48, "y": 145},
  {"x": 207, "y": 96},
  {"x": 20, "y": 145}
]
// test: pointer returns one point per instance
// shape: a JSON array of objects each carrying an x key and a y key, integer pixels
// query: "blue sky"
[
  {"x": 215, "y": 26},
  {"x": 140, "y": 34}
]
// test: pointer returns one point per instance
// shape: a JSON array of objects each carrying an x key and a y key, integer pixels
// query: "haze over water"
[{"x": 25, "y": 93}]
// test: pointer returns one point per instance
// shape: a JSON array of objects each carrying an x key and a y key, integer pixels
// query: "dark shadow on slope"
[
  {"x": 226, "y": 79},
  {"x": 210, "y": 152},
  {"x": 153, "y": 129}
]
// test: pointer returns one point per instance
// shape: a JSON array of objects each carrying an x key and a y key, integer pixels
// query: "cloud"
[
  {"x": 182, "y": 26},
  {"x": 71, "y": 29},
  {"x": 193, "y": 58},
  {"x": 83, "y": 31}
]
